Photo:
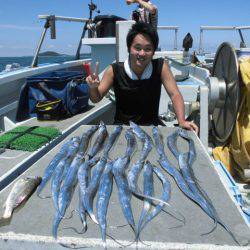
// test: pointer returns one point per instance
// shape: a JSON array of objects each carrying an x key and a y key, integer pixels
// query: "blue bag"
[
  {"x": 67, "y": 86},
  {"x": 77, "y": 97}
]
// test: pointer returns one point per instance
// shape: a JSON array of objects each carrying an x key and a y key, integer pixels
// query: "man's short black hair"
[{"x": 145, "y": 29}]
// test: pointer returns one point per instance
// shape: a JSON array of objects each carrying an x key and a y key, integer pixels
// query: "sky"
[{"x": 20, "y": 28}]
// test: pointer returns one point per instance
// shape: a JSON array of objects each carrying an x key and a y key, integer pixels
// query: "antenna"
[{"x": 92, "y": 7}]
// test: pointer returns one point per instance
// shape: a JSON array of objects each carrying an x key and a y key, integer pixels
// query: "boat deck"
[{"x": 31, "y": 225}]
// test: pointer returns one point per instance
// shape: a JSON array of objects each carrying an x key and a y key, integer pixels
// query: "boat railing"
[
  {"x": 63, "y": 18},
  {"x": 236, "y": 28},
  {"x": 51, "y": 23},
  {"x": 175, "y": 28}
]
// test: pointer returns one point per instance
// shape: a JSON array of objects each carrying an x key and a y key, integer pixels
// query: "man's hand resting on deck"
[
  {"x": 93, "y": 79},
  {"x": 189, "y": 126}
]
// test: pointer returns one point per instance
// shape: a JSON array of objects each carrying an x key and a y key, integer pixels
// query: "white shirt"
[{"x": 145, "y": 75}]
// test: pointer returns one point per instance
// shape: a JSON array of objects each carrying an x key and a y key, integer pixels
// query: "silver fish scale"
[
  {"x": 111, "y": 140},
  {"x": 104, "y": 193},
  {"x": 21, "y": 190},
  {"x": 102, "y": 134}
]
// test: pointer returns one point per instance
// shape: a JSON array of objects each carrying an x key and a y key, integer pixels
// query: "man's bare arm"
[{"x": 176, "y": 98}]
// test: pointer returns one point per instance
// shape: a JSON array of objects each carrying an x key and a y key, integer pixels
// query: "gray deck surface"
[{"x": 33, "y": 222}]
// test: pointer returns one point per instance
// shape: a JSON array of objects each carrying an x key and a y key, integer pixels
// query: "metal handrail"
[
  {"x": 50, "y": 23},
  {"x": 236, "y": 28},
  {"x": 63, "y": 18},
  {"x": 175, "y": 28}
]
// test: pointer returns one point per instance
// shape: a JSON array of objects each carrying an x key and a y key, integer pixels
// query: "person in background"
[
  {"x": 137, "y": 82},
  {"x": 146, "y": 12}
]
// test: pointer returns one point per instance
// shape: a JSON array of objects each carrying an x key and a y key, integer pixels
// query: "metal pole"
[
  {"x": 204, "y": 115},
  {"x": 35, "y": 59},
  {"x": 217, "y": 27},
  {"x": 175, "y": 39},
  {"x": 92, "y": 7},
  {"x": 201, "y": 41},
  {"x": 66, "y": 19},
  {"x": 80, "y": 42},
  {"x": 242, "y": 44},
  {"x": 175, "y": 28}
]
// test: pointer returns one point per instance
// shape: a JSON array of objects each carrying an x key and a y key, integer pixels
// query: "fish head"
[
  {"x": 37, "y": 179},
  {"x": 183, "y": 133},
  {"x": 135, "y": 127}
]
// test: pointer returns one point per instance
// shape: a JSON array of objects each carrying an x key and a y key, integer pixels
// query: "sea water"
[{"x": 27, "y": 60}]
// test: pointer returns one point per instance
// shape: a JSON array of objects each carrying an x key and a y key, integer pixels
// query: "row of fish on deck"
[{"x": 73, "y": 165}]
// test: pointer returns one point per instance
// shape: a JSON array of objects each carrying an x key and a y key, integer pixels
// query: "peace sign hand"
[{"x": 92, "y": 79}]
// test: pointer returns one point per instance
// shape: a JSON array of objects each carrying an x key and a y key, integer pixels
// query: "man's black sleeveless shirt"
[{"x": 137, "y": 100}]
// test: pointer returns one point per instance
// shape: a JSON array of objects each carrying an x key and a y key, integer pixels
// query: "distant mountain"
[
  {"x": 53, "y": 53},
  {"x": 50, "y": 53}
]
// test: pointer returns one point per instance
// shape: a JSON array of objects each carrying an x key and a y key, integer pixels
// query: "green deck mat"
[{"x": 30, "y": 138}]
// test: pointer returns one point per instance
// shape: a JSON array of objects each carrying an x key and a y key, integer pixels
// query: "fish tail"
[
  {"x": 42, "y": 197},
  {"x": 103, "y": 230},
  {"x": 140, "y": 223},
  {"x": 83, "y": 220},
  {"x": 39, "y": 189},
  {"x": 89, "y": 208},
  {"x": 93, "y": 218},
  {"x": 229, "y": 231},
  {"x": 133, "y": 228},
  {"x": 56, "y": 223},
  {"x": 137, "y": 239},
  {"x": 111, "y": 237},
  {"x": 213, "y": 228},
  {"x": 84, "y": 226},
  {"x": 137, "y": 236}
]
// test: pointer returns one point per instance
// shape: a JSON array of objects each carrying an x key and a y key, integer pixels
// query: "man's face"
[{"x": 141, "y": 51}]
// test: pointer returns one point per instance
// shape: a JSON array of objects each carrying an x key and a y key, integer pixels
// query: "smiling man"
[{"x": 137, "y": 82}]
